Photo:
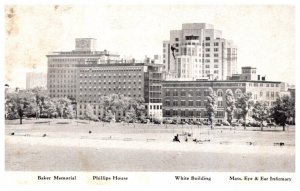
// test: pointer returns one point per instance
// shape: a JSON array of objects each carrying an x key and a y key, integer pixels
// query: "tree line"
[
  {"x": 128, "y": 108},
  {"x": 36, "y": 103},
  {"x": 282, "y": 110}
]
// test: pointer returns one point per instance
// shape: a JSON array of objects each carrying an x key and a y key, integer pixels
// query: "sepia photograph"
[{"x": 149, "y": 88}]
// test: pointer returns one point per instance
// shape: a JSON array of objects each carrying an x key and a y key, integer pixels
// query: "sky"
[{"x": 264, "y": 35}]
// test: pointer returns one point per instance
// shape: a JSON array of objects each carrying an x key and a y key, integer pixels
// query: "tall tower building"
[{"x": 198, "y": 51}]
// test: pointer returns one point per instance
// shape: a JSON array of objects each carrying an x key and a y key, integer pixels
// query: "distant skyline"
[{"x": 264, "y": 35}]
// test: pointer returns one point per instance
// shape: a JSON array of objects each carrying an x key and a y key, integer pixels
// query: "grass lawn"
[{"x": 69, "y": 144}]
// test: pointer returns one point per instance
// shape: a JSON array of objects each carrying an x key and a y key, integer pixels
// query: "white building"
[
  {"x": 198, "y": 51},
  {"x": 36, "y": 79}
]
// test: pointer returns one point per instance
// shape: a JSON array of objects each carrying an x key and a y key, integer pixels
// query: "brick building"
[
  {"x": 136, "y": 80},
  {"x": 185, "y": 100}
]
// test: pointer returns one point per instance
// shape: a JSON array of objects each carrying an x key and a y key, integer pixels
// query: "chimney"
[{"x": 263, "y": 78}]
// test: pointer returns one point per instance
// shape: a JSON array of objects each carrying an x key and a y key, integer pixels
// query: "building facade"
[
  {"x": 36, "y": 79},
  {"x": 198, "y": 51},
  {"x": 62, "y": 66},
  {"x": 186, "y": 100},
  {"x": 84, "y": 75},
  {"x": 135, "y": 80}
]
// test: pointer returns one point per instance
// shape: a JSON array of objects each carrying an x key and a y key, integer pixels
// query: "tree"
[
  {"x": 32, "y": 109},
  {"x": 211, "y": 105},
  {"x": 130, "y": 115},
  {"x": 62, "y": 105},
  {"x": 283, "y": 109},
  {"x": 41, "y": 96},
  {"x": 260, "y": 112},
  {"x": 230, "y": 106},
  {"x": 108, "y": 115},
  {"x": 70, "y": 113},
  {"x": 19, "y": 104},
  {"x": 89, "y": 113},
  {"x": 244, "y": 105},
  {"x": 50, "y": 108}
]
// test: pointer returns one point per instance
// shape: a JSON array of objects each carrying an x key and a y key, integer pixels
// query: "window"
[
  {"x": 190, "y": 94},
  {"x": 220, "y": 93},
  {"x": 216, "y": 60},
  {"x": 182, "y": 103},
  {"x": 216, "y": 71},
  {"x": 220, "y": 103},
  {"x": 207, "y": 49},
  {"x": 206, "y": 66},
  {"x": 198, "y": 103},
  {"x": 206, "y": 93},
  {"x": 207, "y": 38},
  {"x": 216, "y": 44},
  {"x": 198, "y": 93},
  {"x": 183, "y": 93},
  {"x": 175, "y": 113},
  {"x": 216, "y": 66},
  {"x": 220, "y": 114},
  {"x": 216, "y": 55},
  {"x": 176, "y": 39},
  {"x": 175, "y": 103},
  {"x": 207, "y": 44},
  {"x": 261, "y": 94},
  {"x": 168, "y": 93},
  {"x": 191, "y": 103},
  {"x": 206, "y": 55},
  {"x": 167, "y": 112},
  {"x": 216, "y": 49},
  {"x": 175, "y": 93}
]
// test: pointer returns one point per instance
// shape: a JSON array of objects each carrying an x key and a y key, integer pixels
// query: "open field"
[{"x": 145, "y": 147}]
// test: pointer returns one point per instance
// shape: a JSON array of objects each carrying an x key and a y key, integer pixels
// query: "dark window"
[
  {"x": 168, "y": 112},
  {"x": 175, "y": 103},
  {"x": 182, "y": 103},
  {"x": 168, "y": 93},
  {"x": 167, "y": 103}
]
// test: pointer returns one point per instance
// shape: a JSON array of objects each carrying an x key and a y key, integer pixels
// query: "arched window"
[{"x": 220, "y": 93}]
